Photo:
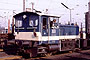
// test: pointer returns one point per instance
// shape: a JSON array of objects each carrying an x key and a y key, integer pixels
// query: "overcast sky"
[{"x": 54, "y": 7}]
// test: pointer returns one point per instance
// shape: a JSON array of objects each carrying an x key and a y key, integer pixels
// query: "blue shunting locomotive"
[{"x": 42, "y": 33}]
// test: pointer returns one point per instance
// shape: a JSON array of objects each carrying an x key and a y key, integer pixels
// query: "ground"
[{"x": 80, "y": 55}]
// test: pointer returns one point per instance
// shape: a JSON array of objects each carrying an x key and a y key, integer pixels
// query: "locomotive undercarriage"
[
  {"x": 32, "y": 49},
  {"x": 70, "y": 44}
]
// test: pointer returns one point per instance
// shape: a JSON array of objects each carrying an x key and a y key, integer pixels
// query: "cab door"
[{"x": 44, "y": 26}]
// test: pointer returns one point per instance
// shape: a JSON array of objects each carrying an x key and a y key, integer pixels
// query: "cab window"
[
  {"x": 44, "y": 23},
  {"x": 18, "y": 23},
  {"x": 30, "y": 22},
  {"x": 53, "y": 22},
  {"x": 36, "y": 22}
]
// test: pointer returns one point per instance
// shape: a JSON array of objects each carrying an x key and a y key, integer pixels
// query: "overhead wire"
[
  {"x": 9, "y": 3},
  {"x": 9, "y": 9}
]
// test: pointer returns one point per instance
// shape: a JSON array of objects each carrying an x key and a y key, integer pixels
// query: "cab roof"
[{"x": 40, "y": 14}]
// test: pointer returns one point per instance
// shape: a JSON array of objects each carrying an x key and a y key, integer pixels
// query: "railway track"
[
  {"x": 83, "y": 55},
  {"x": 80, "y": 55},
  {"x": 4, "y": 56}
]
